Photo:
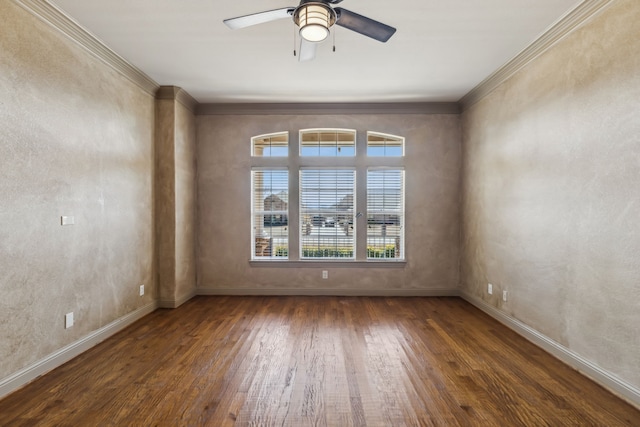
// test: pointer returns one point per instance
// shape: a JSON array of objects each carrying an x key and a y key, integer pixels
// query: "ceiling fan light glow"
[
  {"x": 314, "y": 32},
  {"x": 314, "y": 20}
]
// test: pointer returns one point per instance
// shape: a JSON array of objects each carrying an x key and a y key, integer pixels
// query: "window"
[
  {"x": 323, "y": 197},
  {"x": 270, "y": 199},
  {"x": 381, "y": 145},
  {"x": 326, "y": 213},
  {"x": 274, "y": 145},
  {"x": 385, "y": 213},
  {"x": 328, "y": 142},
  {"x": 270, "y": 213}
]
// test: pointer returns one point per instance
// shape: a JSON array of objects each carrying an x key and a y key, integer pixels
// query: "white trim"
[
  {"x": 58, "y": 358},
  {"x": 70, "y": 28},
  {"x": 329, "y": 263},
  {"x": 329, "y": 108},
  {"x": 176, "y": 302},
  {"x": 179, "y": 95},
  {"x": 563, "y": 27},
  {"x": 607, "y": 380},
  {"x": 353, "y": 292}
]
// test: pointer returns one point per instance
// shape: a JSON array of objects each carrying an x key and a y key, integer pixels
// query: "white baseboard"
[
  {"x": 435, "y": 292},
  {"x": 58, "y": 358},
  {"x": 607, "y": 380},
  {"x": 177, "y": 302}
]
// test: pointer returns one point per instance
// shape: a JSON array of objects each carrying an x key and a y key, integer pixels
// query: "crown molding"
[
  {"x": 70, "y": 28},
  {"x": 187, "y": 100},
  {"x": 329, "y": 108},
  {"x": 563, "y": 27},
  {"x": 67, "y": 26},
  {"x": 168, "y": 92},
  {"x": 179, "y": 95}
]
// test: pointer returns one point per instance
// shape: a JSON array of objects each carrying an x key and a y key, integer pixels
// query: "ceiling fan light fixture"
[{"x": 314, "y": 20}]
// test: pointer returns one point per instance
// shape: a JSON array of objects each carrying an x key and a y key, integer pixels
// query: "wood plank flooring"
[{"x": 316, "y": 361}]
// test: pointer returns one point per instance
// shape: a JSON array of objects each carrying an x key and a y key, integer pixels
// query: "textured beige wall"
[
  {"x": 175, "y": 201},
  {"x": 432, "y": 205},
  {"x": 551, "y": 187},
  {"x": 165, "y": 197},
  {"x": 76, "y": 138},
  {"x": 185, "y": 181}
]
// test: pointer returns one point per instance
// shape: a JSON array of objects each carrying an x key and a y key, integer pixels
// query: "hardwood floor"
[{"x": 321, "y": 361}]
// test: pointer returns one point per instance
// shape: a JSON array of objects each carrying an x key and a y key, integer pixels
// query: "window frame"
[
  {"x": 270, "y": 136},
  {"x": 303, "y": 211},
  {"x": 301, "y": 132},
  {"x": 264, "y": 213},
  {"x": 399, "y": 244},
  {"x": 385, "y": 136},
  {"x": 361, "y": 162}
]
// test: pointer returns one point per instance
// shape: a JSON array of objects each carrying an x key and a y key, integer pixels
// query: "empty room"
[{"x": 327, "y": 213}]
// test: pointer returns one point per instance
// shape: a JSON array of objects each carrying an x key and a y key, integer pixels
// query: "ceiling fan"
[{"x": 315, "y": 18}]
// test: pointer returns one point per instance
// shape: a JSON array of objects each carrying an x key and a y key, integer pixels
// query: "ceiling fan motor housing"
[{"x": 314, "y": 19}]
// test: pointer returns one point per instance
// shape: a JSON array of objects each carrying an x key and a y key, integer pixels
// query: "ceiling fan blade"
[
  {"x": 363, "y": 25},
  {"x": 307, "y": 50},
  {"x": 259, "y": 18}
]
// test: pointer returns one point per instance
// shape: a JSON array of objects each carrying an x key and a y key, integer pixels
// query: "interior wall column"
[{"x": 175, "y": 196}]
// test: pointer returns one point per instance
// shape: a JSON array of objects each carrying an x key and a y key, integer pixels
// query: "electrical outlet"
[
  {"x": 504, "y": 295},
  {"x": 325, "y": 274},
  {"x": 490, "y": 289},
  {"x": 68, "y": 320},
  {"x": 141, "y": 290},
  {"x": 67, "y": 220}
]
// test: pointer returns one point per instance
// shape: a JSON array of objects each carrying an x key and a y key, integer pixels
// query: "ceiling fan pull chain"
[
  {"x": 294, "y": 40},
  {"x": 334, "y": 39}
]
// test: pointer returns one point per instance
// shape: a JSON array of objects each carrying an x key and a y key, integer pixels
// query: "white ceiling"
[{"x": 442, "y": 49}]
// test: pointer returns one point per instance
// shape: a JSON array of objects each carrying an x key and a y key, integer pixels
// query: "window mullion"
[
  {"x": 360, "y": 214},
  {"x": 294, "y": 196}
]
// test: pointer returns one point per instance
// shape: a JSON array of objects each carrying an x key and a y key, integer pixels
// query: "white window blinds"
[
  {"x": 385, "y": 213},
  {"x": 270, "y": 213},
  {"x": 327, "y": 200}
]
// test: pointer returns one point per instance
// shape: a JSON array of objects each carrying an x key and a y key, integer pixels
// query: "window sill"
[{"x": 327, "y": 264}]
